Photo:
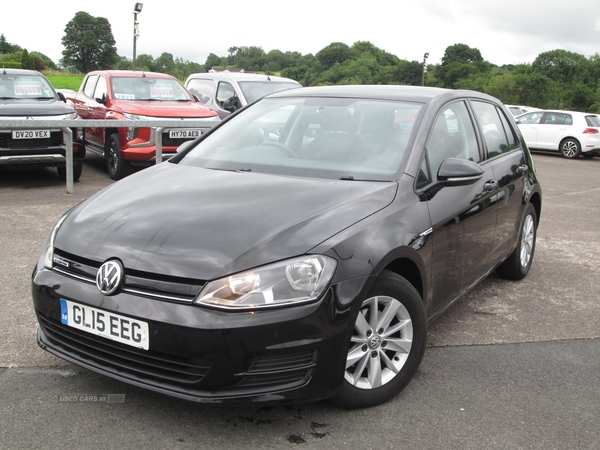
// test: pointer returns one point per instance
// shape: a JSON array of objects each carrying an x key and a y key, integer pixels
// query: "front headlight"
[
  {"x": 137, "y": 117},
  {"x": 70, "y": 116},
  {"x": 49, "y": 252},
  {"x": 291, "y": 282}
]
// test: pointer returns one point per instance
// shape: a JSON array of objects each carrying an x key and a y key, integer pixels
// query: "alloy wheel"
[{"x": 381, "y": 343}]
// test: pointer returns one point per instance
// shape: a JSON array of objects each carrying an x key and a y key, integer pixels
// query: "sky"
[{"x": 505, "y": 32}]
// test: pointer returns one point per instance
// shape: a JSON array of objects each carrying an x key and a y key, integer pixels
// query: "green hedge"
[{"x": 12, "y": 64}]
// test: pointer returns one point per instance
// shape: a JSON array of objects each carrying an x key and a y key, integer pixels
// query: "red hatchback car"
[{"x": 123, "y": 95}]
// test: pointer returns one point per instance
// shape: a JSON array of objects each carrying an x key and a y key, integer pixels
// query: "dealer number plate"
[
  {"x": 31, "y": 134},
  {"x": 184, "y": 134},
  {"x": 103, "y": 323}
]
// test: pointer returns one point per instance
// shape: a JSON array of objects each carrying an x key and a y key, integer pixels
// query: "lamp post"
[
  {"x": 425, "y": 56},
  {"x": 136, "y": 27}
]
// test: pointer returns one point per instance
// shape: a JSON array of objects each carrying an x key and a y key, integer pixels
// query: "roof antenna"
[
  {"x": 268, "y": 77},
  {"x": 4, "y": 69}
]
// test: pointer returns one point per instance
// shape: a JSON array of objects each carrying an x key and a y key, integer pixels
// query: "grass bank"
[{"x": 62, "y": 80}]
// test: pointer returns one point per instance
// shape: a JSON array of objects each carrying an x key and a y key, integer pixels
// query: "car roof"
[
  {"x": 131, "y": 74},
  {"x": 240, "y": 76},
  {"x": 7, "y": 71},
  {"x": 562, "y": 111},
  {"x": 386, "y": 92}
]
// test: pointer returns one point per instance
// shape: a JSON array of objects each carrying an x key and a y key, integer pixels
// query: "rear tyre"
[
  {"x": 570, "y": 148},
  {"x": 517, "y": 265},
  {"x": 387, "y": 344},
  {"x": 115, "y": 165}
]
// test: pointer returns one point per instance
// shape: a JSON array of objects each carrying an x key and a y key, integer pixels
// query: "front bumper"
[
  {"x": 46, "y": 152},
  {"x": 279, "y": 356}
]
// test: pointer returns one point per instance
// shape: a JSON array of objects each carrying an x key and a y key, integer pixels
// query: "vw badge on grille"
[{"x": 109, "y": 277}]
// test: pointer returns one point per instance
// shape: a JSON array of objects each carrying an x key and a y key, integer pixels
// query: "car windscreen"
[
  {"x": 360, "y": 139},
  {"x": 25, "y": 87},
  {"x": 253, "y": 90},
  {"x": 148, "y": 88}
]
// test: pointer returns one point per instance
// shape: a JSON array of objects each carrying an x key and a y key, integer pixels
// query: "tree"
[
  {"x": 410, "y": 73},
  {"x": 5, "y": 47},
  {"x": 144, "y": 62},
  {"x": 212, "y": 60},
  {"x": 459, "y": 62},
  {"x": 336, "y": 52},
  {"x": 562, "y": 66},
  {"x": 89, "y": 43},
  {"x": 164, "y": 63},
  {"x": 27, "y": 61}
]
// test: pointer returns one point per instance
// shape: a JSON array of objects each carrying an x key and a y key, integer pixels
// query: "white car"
[
  {"x": 226, "y": 92},
  {"x": 571, "y": 133}
]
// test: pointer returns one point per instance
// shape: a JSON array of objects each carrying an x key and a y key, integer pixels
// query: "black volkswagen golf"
[{"x": 296, "y": 251}]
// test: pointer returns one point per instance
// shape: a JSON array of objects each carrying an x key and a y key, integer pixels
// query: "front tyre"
[
  {"x": 77, "y": 170},
  {"x": 116, "y": 167},
  {"x": 517, "y": 265},
  {"x": 387, "y": 344},
  {"x": 570, "y": 148}
]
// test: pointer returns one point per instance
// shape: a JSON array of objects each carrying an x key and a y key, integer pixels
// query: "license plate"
[
  {"x": 106, "y": 324},
  {"x": 185, "y": 134},
  {"x": 31, "y": 134}
]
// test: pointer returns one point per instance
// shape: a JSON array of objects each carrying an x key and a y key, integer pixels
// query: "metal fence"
[{"x": 66, "y": 125}]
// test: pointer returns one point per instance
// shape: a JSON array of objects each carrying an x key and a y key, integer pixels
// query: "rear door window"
[
  {"x": 497, "y": 133},
  {"x": 555, "y": 118}
]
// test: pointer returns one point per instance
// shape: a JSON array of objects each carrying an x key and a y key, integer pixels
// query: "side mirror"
[
  {"x": 459, "y": 172},
  {"x": 102, "y": 100},
  {"x": 454, "y": 172},
  {"x": 62, "y": 97}
]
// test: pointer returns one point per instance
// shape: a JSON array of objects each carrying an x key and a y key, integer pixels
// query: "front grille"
[
  {"x": 158, "y": 287},
  {"x": 291, "y": 370},
  {"x": 7, "y": 141},
  {"x": 117, "y": 358}
]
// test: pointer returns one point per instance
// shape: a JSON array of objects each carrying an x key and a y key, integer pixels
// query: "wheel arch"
[
  {"x": 569, "y": 138},
  {"x": 108, "y": 132},
  {"x": 409, "y": 270},
  {"x": 536, "y": 201}
]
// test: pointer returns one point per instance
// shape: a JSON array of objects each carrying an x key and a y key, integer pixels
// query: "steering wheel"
[{"x": 288, "y": 151}]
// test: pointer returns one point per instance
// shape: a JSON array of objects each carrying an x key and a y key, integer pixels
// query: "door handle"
[
  {"x": 523, "y": 168},
  {"x": 490, "y": 185}
]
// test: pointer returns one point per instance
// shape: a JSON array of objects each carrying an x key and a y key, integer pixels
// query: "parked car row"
[
  {"x": 119, "y": 95},
  {"x": 571, "y": 133}
]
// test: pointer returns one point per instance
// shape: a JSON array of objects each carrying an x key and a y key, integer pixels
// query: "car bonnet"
[{"x": 202, "y": 224}]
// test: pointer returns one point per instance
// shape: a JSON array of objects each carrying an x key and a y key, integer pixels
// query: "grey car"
[
  {"x": 28, "y": 95},
  {"x": 226, "y": 92}
]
